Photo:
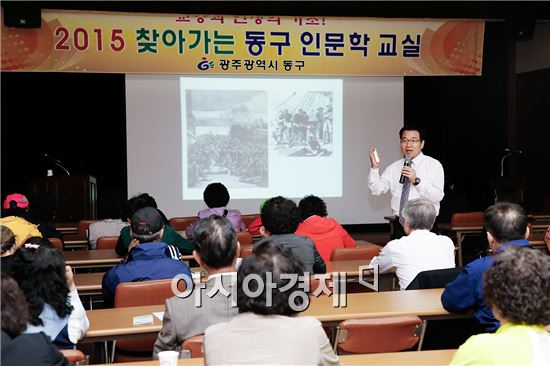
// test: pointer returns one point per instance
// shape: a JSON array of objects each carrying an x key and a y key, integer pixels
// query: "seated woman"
[
  {"x": 216, "y": 198},
  {"x": 266, "y": 331},
  {"x": 18, "y": 348},
  {"x": 52, "y": 298},
  {"x": 326, "y": 233},
  {"x": 15, "y": 215},
  {"x": 517, "y": 288}
]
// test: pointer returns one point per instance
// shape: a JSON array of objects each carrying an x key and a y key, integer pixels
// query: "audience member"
[
  {"x": 169, "y": 236},
  {"x": 216, "y": 250},
  {"x": 8, "y": 247},
  {"x": 110, "y": 207},
  {"x": 281, "y": 218},
  {"x": 421, "y": 250},
  {"x": 18, "y": 348},
  {"x": 256, "y": 224},
  {"x": 517, "y": 288},
  {"x": 15, "y": 215},
  {"x": 216, "y": 198},
  {"x": 326, "y": 233},
  {"x": 506, "y": 225},
  {"x": 148, "y": 257},
  {"x": 52, "y": 298},
  {"x": 42, "y": 213},
  {"x": 266, "y": 331}
]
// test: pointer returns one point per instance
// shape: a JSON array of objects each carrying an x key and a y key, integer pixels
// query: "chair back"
[
  {"x": 106, "y": 242},
  {"x": 465, "y": 219},
  {"x": 348, "y": 254},
  {"x": 247, "y": 219},
  {"x": 244, "y": 237},
  {"x": 142, "y": 293},
  {"x": 246, "y": 250},
  {"x": 73, "y": 355},
  {"x": 56, "y": 242},
  {"x": 195, "y": 345},
  {"x": 83, "y": 226},
  {"x": 376, "y": 335},
  {"x": 129, "y": 294},
  {"x": 437, "y": 278},
  {"x": 181, "y": 223}
]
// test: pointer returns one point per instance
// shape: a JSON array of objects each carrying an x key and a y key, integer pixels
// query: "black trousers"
[{"x": 398, "y": 231}]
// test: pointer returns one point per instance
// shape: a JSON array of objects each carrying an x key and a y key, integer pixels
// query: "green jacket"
[{"x": 170, "y": 237}]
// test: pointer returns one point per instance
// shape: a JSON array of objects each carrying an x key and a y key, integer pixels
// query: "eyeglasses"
[{"x": 413, "y": 141}]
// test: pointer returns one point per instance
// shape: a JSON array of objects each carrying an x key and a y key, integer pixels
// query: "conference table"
[
  {"x": 91, "y": 258},
  {"x": 111, "y": 324},
  {"x": 89, "y": 284},
  {"x": 413, "y": 358},
  {"x": 98, "y": 258},
  {"x": 462, "y": 231}
]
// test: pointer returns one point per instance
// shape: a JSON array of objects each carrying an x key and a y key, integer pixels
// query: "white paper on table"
[
  {"x": 143, "y": 320},
  {"x": 159, "y": 314}
]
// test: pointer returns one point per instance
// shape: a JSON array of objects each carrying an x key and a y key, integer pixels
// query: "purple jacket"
[{"x": 234, "y": 217}]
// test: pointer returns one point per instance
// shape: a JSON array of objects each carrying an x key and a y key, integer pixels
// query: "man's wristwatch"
[{"x": 416, "y": 181}]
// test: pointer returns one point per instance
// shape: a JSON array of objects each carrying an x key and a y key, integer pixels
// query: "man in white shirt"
[
  {"x": 424, "y": 178},
  {"x": 421, "y": 250}
]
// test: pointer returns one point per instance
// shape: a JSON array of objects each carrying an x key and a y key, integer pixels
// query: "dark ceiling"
[{"x": 390, "y": 9}]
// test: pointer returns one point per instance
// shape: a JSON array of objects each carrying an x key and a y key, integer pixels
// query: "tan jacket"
[{"x": 182, "y": 319}]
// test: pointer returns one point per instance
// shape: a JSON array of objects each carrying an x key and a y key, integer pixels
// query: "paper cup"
[{"x": 168, "y": 358}]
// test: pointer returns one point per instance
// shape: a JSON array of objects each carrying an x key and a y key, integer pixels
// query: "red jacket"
[
  {"x": 326, "y": 233},
  {"x": 255, "y": 225}
]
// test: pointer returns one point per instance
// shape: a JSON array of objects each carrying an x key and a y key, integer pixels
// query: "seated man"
[
  {"x": 169, "y": 236},
  {"x": 216, "y": 251},
  {"x": 148, "y": 259},
  {"x": 280, "y": 218},
  {"x": 506, "y": 225},
  {"x": 421, "y": 250},
  {"x": 110, "y": 206}
]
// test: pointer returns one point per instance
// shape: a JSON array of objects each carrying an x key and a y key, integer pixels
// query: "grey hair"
[{"x": 420, "y": 214}]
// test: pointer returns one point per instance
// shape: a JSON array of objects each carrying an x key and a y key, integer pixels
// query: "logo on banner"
[{"x": 205, "y": 64}]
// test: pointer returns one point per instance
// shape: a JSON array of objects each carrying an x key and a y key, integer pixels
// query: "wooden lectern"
[{"x": 75, "y": 196}]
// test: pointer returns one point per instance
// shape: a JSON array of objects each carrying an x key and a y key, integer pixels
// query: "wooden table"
[
  {"x": 89, "y": 284},
  {"x": 436, "y": 358},
  {"x": 92, "y": 258},
  {"x": 461, "y": 232},
  {"x": 110, "y": 324},
  {"x": 364, "y": 243}
]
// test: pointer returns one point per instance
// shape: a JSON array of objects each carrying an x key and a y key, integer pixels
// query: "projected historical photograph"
[
  {"x": 227, "y": 138},
  {"x": 303, "y": 125}
]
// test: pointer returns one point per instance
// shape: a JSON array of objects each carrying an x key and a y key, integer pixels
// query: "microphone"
[
  {"x": 407, "y": 163},
  {"x": 509, "y": 152},
  {"x": 48, "y": 156},
  {"x": 56, "y": 162}
]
